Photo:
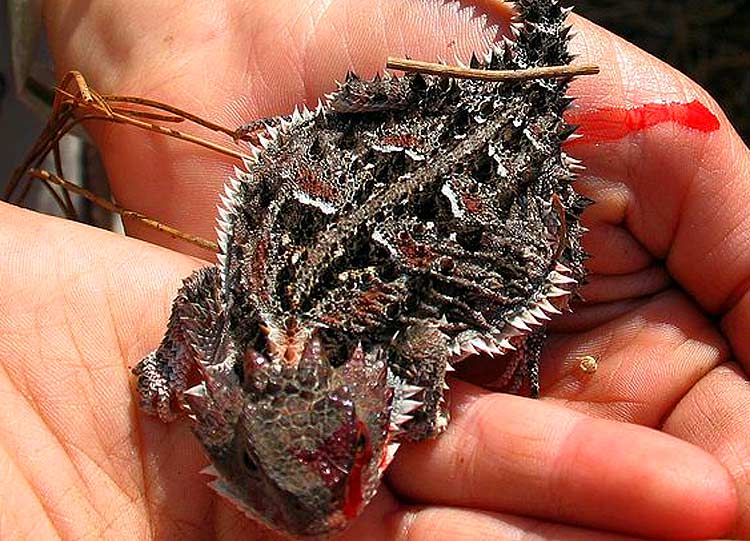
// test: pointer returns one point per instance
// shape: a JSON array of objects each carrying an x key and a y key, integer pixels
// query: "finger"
[
  {"x": 421, "y": 524},
  {"x": 648, "y": 352},
  {"x": 24, "y": 509},
  {"x": 515, "y": 455},
  {"x": 234, "y": 62},
  {"x": 68, "y": 335},
  {"x": 620, "y": 269},
  {"x": 686, "y": 188},
  {"x": 648, "y": 359},
  {"x": 603, "y": 289},
  {"x": 715, "y": 415}
]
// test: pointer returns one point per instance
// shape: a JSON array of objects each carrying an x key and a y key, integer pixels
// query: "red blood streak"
[
  {"x": 613, "y": 123},
  {"x": 354, "y": 490}
]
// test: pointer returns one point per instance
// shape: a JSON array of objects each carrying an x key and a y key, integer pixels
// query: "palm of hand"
[{"x": 82, "y": 460}]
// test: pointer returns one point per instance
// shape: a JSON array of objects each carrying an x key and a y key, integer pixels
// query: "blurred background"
[{"x": 707, "y": 39}]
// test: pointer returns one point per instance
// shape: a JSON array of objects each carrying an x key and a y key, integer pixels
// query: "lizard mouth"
[{"x": 298, "y": 523}]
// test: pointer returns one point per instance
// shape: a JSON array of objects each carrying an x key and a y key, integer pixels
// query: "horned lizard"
[{"x": 369, "y": 246}]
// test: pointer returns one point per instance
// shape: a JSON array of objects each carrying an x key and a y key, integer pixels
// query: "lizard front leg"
[
  {"x": 162, "y": 376},
  {"x": 418, "y": 362}
]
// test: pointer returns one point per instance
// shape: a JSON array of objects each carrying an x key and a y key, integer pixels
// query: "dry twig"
[
  {"x": 125, "y": 213},
  {"x": 76, "y": 102},
  {"x": 460, "y": 72}
]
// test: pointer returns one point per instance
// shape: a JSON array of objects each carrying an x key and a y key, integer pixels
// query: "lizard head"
[{"x": 297, "y": 441}]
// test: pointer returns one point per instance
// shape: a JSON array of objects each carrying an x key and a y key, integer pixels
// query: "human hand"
[{"x": 85, "y": 461}]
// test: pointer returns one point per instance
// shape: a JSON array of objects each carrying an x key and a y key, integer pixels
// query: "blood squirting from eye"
[
  {"x": 614, "y": 123},
  {"x": 354, "y": 490}
]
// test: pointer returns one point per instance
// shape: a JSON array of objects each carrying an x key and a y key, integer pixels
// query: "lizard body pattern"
[{"x": 403, "y": 226}]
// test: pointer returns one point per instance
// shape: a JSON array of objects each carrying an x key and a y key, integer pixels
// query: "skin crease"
[{"x": 78, "y": 460}]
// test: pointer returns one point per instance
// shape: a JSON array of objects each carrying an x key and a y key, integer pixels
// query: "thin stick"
[
  {"x": 178, "y": 113},
  {"x": 125, "y": 213},
  {"x": 43, "y": 146},
  {"x": 83, "y": 99},
  {"x": 70, "y": 209},
  {"x": 67, "y": 102},
  {"x": 53, "y": 192},
  {"x": 124, "y": 119},
  {"x": 546, "y": 72},
  {"x": 147, "y": 115},
  {"x": 59, "y": 115}
]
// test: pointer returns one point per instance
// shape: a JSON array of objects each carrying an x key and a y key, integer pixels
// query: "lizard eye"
[
  {"x": 359, "y": 446},
  {"x": 362, "y": 440},
  {"x": 248, "y": 462}
]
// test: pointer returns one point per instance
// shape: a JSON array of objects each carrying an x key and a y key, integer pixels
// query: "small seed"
[{"x": 588, "y": 364}]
